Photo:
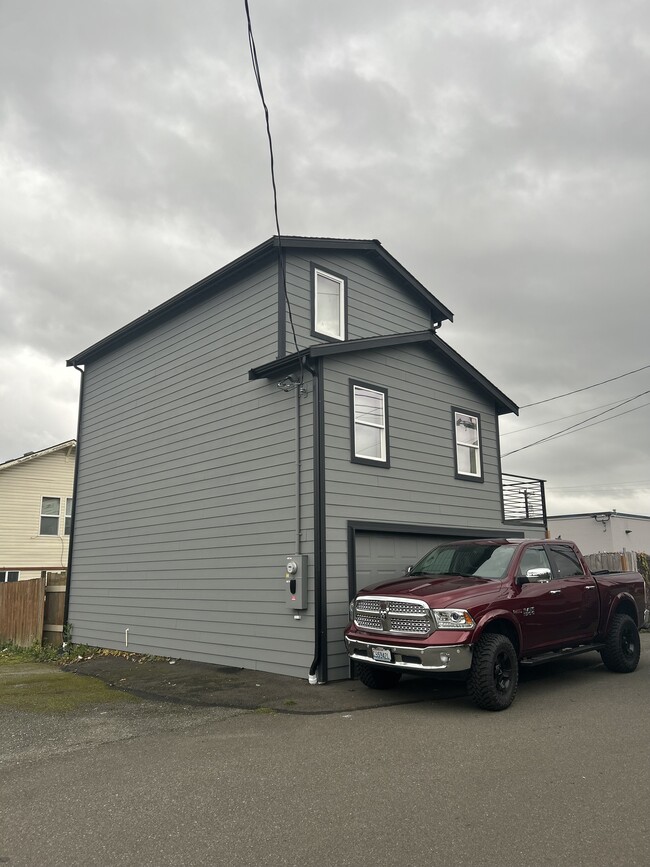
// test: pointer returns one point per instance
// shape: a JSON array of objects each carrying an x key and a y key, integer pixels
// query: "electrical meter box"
[{"x": 295, "y": 577}]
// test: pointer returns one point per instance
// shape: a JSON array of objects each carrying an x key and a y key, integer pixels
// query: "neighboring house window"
[
  {"x": 68, "y": 516},
  {"x": 50, "y": 510},
  {"x": 329, "y": 294},
  {"x": 467, "y": 441},
  {"x": 9, "y": 575},
  {"x": 369, "y": 424}
]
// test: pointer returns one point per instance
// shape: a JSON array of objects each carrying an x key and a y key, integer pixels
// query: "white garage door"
[{"x": 382, "y": 556}]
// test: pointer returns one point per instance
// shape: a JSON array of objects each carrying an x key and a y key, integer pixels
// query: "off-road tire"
[
  {"x": 376, "y": 677},
  {"x": 494, "y": 674},
  {"x": 622, "y": 645}
]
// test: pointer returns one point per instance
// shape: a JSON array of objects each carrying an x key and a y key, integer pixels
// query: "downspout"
[
  {"x": 66, "y": 607},
  {"x": 298, "y": 389},
  {"x": 318, "y": 669}
]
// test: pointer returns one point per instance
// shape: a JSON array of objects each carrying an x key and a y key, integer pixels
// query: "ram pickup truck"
[{"x": 482, "y": 608}]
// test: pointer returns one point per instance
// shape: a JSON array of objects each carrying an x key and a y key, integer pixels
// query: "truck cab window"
[
  {"x": 533, "y": 558},
  {"x": 565, "y": 562}
]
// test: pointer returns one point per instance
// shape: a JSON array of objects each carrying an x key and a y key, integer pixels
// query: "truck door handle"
[
  {"x": 590, "y": 587},
  {"x": 555, "y": 592}
]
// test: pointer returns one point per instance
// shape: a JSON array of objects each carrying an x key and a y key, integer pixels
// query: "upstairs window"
[
  {"x": 369, "y": 422},
  {"x": 328, "y": 305},
  {"x": 50, "y": 511},
  {"x": 467, "y": 442},
  {"x": 68, "y": 516}
]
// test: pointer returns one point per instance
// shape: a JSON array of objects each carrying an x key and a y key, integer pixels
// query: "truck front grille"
[{"x": 396, "y": 616}]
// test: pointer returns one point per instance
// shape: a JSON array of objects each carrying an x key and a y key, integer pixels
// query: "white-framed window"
[
  {"x": 467, "y": 441},
  {"x": 8, "y": 575},
  {"x": 328, "y": 304},
  {"x": 68, "y": 516},
  {"x": 50, "y": 512},
  {"x": 369, "y": 424}
]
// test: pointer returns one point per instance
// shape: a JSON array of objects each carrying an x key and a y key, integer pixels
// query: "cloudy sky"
[{"x": 500, "y": 151}]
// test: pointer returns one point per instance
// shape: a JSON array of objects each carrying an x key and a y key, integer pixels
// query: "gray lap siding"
[
  {"x": 186, "y": 492},
  {"x": 419, "y": 487}
]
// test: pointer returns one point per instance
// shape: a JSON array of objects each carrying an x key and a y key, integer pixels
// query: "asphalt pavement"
[{"x": 561, "y": 778}]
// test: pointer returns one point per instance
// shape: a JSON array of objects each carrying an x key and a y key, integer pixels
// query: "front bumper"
[
  {"x": 452, "y": 657},
  {"x": 646, "y": 619}
]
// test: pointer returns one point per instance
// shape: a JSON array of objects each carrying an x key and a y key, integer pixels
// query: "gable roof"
[
  {"x": 213, "y": 283},
  {"x": 429, "y": 339},
  {"x": 31, "y": 456}
]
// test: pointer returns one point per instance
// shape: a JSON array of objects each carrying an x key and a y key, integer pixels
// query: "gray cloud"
[{"x": 499, "y": 150}]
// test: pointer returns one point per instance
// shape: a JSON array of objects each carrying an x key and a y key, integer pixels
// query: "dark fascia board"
[
  {"x": 217, "y": 280},
  {"x": 427, "y": 338}
]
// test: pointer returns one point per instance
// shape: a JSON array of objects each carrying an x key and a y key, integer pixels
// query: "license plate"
[{"x": 382, "y": 654}]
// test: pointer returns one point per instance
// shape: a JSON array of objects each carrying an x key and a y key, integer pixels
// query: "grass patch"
[{"x": 27, "y": 688}]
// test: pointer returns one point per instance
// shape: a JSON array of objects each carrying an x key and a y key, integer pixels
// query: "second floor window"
[
  {"x": 68, "y": 516},
  {"x": 369, "y": 417},
  {"x": 328, "y": 303},
  {"x": 467, "y": 441},
  {"x": 50, "y": 511}
]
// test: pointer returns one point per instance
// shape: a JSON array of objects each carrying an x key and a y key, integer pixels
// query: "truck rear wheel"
[
  {"x": 376, "y": 677},
  {"x": 494, "y": 675},
  {"x": 622, "y": 645}
]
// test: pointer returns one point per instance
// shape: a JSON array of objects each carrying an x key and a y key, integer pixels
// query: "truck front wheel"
[
  {"x": 494, "y": 675},
  {"x": 376, "y": 677},
  {"x": 622, "y": 645}
]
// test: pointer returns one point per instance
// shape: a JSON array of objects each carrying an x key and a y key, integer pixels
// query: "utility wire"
[
  {"x": 586, "y": 387},
  {"x": 579, "y": 425},
  {"x": 258, "y": 80},
  {"x": 559, "y": 418}
]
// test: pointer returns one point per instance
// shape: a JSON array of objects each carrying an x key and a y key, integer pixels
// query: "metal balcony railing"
[{"x": 524, "y": 500}]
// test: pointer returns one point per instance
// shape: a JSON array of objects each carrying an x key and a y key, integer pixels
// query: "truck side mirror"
[
  {"x": 541, "y": 576},
  {"x": 409, "y": 569}
]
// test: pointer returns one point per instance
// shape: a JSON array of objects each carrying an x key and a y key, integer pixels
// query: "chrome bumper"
[
  {"x": 449, "y": 658},
  {"x": 646, "y": 619}
]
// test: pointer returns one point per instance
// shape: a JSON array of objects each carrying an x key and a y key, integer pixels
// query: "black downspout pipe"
[
  {"x": 318, "y": 669},
  {"x": 74, "y": 497}
]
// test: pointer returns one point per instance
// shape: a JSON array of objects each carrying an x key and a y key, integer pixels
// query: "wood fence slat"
[{"x": 22, "y": 611}]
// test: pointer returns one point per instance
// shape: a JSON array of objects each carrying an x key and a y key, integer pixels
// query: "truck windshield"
[{"x": 482, "y": 560}]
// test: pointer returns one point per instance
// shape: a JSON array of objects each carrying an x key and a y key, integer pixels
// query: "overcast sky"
[{"x": 500, "y": 151}]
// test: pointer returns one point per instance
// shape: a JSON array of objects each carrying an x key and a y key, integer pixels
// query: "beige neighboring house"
[{"x": 35, "y": 511}]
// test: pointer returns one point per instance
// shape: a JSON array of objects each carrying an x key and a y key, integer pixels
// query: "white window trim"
[
  {"x": 341, "y": 333},
  {"x": 382, "y": 427},
  {"x": 476, "y": 448},
  {"x": 58, "y": 517}
]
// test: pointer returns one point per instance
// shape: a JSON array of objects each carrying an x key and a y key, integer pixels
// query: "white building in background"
[{"x": 596, "y": 532}]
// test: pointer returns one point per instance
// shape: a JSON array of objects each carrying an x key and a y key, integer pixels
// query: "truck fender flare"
[
  {"x": 622, "y": 598},
  {"x": 494, "y": 615}
]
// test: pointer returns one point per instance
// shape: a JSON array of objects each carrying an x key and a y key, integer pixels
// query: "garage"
[{"x": 381, "y": 552}]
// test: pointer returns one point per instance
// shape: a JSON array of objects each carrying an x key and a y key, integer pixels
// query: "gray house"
[{"x": 283, "y": 432}]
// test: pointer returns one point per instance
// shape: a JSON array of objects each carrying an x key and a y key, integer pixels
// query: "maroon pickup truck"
[{"x": 484, "y": 607}]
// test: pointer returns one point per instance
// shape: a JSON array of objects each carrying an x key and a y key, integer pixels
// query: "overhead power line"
[
  {"x": 585, "y": 388},
  {"x": 559, "y": 418},
  {"x": 582, "y": 425},
  {"x": 258, "y": 80}
]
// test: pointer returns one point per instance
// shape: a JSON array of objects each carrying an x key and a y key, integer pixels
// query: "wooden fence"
[
  {"x": 32, "y": 610},
  {"x": 619, "y": 561}
]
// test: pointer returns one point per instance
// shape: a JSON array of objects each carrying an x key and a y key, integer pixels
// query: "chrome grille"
[{"x": 401, "y": 616}]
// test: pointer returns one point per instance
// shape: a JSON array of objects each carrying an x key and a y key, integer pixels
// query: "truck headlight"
[{"x": 452, "y": 618}]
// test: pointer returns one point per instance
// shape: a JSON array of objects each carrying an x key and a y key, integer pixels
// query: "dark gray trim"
[
  {"x": 354, "y": 458},
  {"x": 313, "y": 267},
  {"x": 355, "y": 527},
  {"x": 498, "y": 435},
  {"x": 282, "y": 304},
  {"x": 466, "y": 477},
  {"x": 66, "y": 604},
  {"x": 248, "y": 261},
  {"x": 426, "y": 338},
  {"x": 319, "y": 663}
]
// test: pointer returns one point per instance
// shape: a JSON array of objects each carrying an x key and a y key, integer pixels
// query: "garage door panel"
[{"x": 385, "y": 556}]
